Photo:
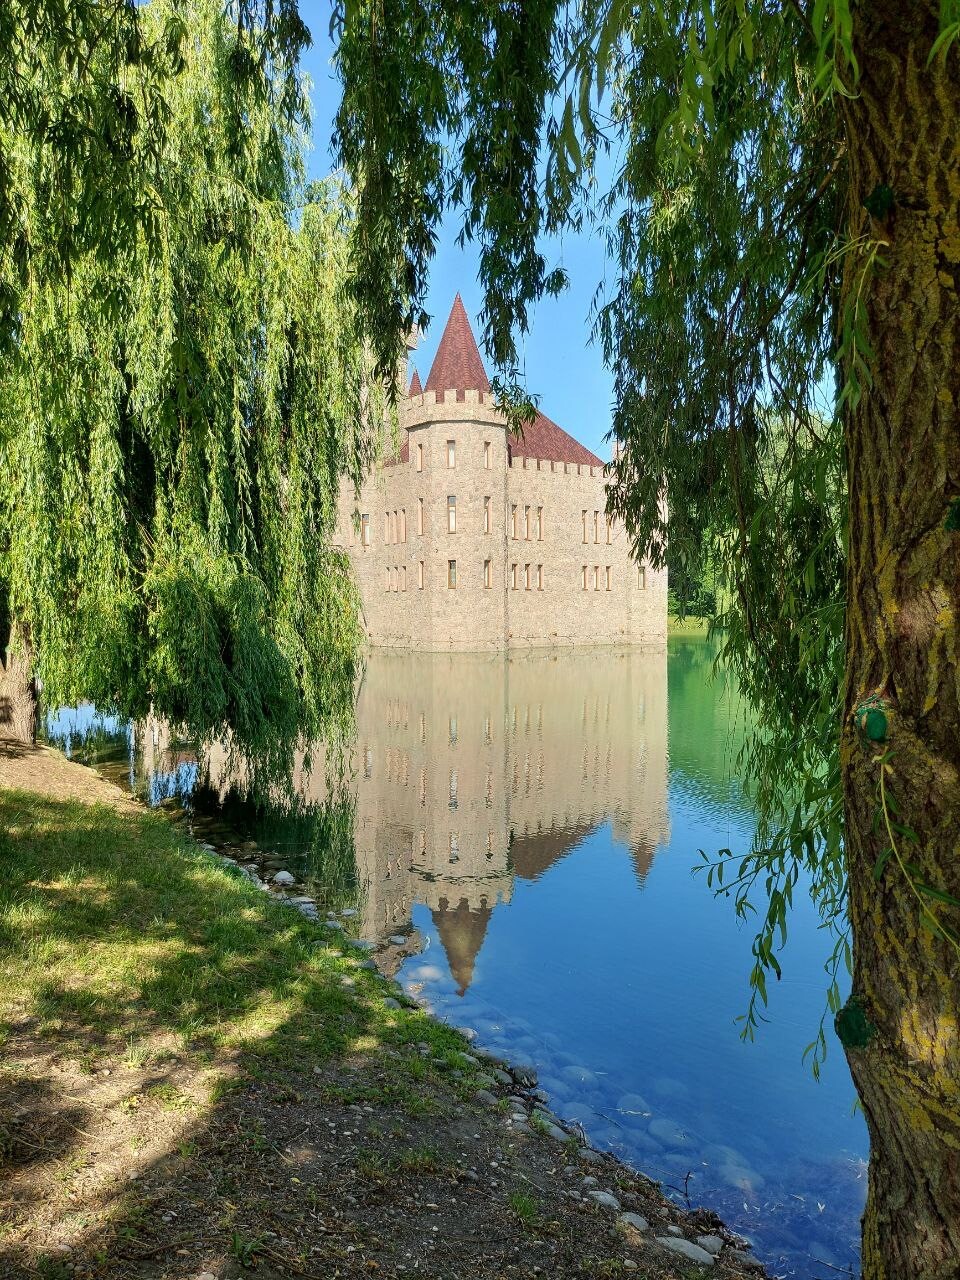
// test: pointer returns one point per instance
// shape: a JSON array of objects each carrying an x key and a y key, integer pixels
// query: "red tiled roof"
[
  {"x": 542, "y": 438},
  {"x": 415, "y": 387},
  {"x": 457, "y": 362}
]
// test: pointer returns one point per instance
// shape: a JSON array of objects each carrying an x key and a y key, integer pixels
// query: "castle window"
[
  {"x": 364, "y": 531},
  {"x": 609, "y": 577},
  {"x": 454, "y": 788},
  {"x": 526, "y": 577},
  {"x": 453, "y": 730},
  {"x": 584, "y": 526},
  {"x": 526, "y": 523},
  {"x": 403, "y": 578},
  {"x": 486, "y": 454},
  {"x": 451, "y": 574},
  {"x": 451, "y": 453},
  {"x": 403, "y": 525},
  {"x": 420, "y": 575},
  {"x": 513, "y": 520},
  {"x": 386, "y": 526},
  {"x": 487, "y": 574},
  {"x": 596, "y": 577},
  {"x": 609, "y": 528},
  {"x": 514, "y": 576},
  {"x": 596, "y": 526},
  {"x": 583, "y": 575},
  {"x": 642, "y": 577},
  {"x": 387, "y": 582},
  {"x": 486, "y": 515},
  {"x": 539, "y": 524},
  {"x": 454, "y": 847},
  {"x": 451, "y": 514},
  {"x": 396, "y": 578},
  {"x": 419, "y": 457},
  {"x": 420, "y": 515},
  {"x": 539, "y": 577},
  {"x": 396, "y": 527}
]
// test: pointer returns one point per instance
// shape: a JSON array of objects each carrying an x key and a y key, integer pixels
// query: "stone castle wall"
[{"x": 543, "y": 602}]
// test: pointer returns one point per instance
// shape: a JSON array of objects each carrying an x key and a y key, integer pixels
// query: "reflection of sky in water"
[{"x": 537, "y": 820}]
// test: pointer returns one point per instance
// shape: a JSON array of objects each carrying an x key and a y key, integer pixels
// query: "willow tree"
[
  {"x": 779, "y": 185},
  {"x": 178, "y": 404}
]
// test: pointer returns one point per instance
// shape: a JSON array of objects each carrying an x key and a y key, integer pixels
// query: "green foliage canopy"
[{"x": 179, "y": 404}]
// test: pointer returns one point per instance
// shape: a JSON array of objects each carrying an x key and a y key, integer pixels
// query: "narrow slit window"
[
  {"x": 365, "y": 531},
  {"x": 609, "y": 529},
  {"x": 486, "y": 454},
  {"x": 539, "y": 524},
  {"x": 596, "y": 526},
  {"x": 451, "y": 514},
  {"x": 596, "y": 577},
  {"x": 451, "y": 454},
  {"x": 487, "y": 574},
  {"x": 513, "y": 576},
  {"x": 403, "y": 578},
  {"x": 526, "y": 523},
  {"x": 583, "y": 577},
  {"x": 642, "y": 577},
  {"x": 403, "y": 525},
  {"x": 420, "y": 515},
  {"x": 513, "y": 520},
  {"x": 420, "y": 575},
  {"x": 486, "y": 515},
  {"x": 526, "y": 577},
  {"x": 539, "y": 577},
  {"x": 609, "y": 577},
  {"x": 419, "y": 457},
  {"x": 584, "y": 526},
  {"x": 451, "y": 574}
]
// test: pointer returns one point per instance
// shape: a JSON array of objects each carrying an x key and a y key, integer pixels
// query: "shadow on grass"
[{"x": 121, "y": 943}]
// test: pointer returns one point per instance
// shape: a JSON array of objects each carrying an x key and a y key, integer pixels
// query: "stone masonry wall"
[{"x": 543, "y": 602}]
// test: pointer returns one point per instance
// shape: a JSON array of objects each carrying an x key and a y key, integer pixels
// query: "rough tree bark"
[
  {"x": 901, "y": 1029},
  {"x": 18, "y": 699}
]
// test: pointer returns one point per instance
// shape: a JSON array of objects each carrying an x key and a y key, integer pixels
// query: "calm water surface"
[{"x": 528, "y": 826}]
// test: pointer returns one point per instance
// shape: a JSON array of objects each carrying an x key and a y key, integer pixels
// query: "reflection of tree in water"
[{"x": 706, "y": 721}]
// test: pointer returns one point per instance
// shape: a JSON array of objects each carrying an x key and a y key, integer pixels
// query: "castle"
[{"x": 469, "y": 539}]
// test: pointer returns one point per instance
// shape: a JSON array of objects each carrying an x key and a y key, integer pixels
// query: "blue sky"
[{"x": 560, "y": 363}]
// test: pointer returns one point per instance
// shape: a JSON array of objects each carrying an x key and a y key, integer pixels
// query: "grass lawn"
[{"x": 688, "y": 626}]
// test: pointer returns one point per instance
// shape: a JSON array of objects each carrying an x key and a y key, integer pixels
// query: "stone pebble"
[
  {"x": 677, "y": 1244},
  {"x": 633, "y": 1220},
  {"x": 605, "y": 1199}
]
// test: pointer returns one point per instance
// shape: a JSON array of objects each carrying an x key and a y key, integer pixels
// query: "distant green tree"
[
  {"x": 782, "y": 230},
  {"x": 182, "y": 389}
]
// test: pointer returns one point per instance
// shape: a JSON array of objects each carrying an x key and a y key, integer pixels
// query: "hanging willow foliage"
[{"x": 175, "y": 421}]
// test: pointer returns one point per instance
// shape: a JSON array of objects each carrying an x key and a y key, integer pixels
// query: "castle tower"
[{"x": 469, "y": 539}]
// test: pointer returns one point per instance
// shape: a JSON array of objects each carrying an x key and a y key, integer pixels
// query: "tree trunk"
[
  {"x": 18, "y": 696},
  {"x": 901, "y": 1028}
]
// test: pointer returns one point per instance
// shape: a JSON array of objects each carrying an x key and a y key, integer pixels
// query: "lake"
[{"x": 520, "y": 832}]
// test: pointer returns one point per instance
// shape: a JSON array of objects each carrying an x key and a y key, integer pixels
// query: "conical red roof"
[
  {"x": 415, "y": 387},
  {"x": 457, "y": 362}
]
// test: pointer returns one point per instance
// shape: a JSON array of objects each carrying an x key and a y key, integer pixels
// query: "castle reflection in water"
[{"x": 472, "y": 770}]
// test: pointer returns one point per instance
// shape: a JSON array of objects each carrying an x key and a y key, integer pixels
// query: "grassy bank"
[
  {"x": 196, "y": 1080},
  {"x": 687, "y": 626}
]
